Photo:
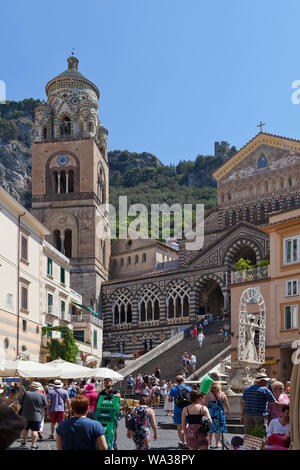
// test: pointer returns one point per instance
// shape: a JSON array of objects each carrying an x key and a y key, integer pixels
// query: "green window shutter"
[
  {"x": 79, "y": 335},
  {"x": 49, "y": 332},
  {"x": 50, "y": 269},
  {"x": 62, "y": 308},
  {"x": 62, "y": 275},
  {"x": 95, "y": 345}
]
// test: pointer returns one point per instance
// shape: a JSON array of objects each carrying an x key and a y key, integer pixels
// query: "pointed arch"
[
  {"x": 122, "y": 307},
  {"x": 148, "y": 303},
  {"x": 178, "y": 299}
]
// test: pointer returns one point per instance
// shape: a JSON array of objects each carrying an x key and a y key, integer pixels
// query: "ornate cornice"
[{"x": 259, "y": 139}]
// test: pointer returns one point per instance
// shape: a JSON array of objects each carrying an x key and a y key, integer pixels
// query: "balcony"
[
  {"x": 88, "y": 318},
  {"x": 253, "y": 274},
  {"x": 66, "y": 317},
  {"x": 75, "y": 296}
]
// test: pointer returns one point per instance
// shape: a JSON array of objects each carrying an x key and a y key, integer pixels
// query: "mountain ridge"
[{"x": 142, "y": 177}]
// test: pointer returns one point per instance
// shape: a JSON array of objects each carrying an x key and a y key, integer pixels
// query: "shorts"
[
  {"x": 156, "y": 399},
  {"x": 33, "y": 425},
  {"x": 56, "y": 416},
  {"x": 177, "y": 415}
]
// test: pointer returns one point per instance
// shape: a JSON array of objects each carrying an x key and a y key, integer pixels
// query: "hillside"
[{"x": 142, "y": 177}]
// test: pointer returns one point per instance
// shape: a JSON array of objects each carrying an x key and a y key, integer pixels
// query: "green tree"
[{"x": 66, "y": 349}]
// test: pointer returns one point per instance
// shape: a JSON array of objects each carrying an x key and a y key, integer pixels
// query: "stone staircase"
[{"x": 170, "y": 361}]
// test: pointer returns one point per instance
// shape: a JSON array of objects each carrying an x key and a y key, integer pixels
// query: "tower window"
[
  {"x": 45, "y": 133},
  {"x": 71, "y": 181},
  {"x": 68, "y": 243},
  {"x": 63, "y": 188},
  {"x": 57, "y": 240},
  {"x": 65, "y": 128}
]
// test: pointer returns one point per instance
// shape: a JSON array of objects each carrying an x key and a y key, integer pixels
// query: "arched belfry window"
[
  {"x": 56, "y": 241},
  {"x": 68, "y": 243},
  {"x": 65, "y": 128},
  {"x": 101, "y": 185}
]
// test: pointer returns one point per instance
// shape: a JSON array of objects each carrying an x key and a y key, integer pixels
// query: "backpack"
[
  {"x": 134, "y": 420},
  {"x": 72, "y": 393},
  {"x": 183, "y": 398},
  {"x": 157, "y": 391}
]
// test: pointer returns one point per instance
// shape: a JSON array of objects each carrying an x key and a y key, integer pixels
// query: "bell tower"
[{"x": 70, "y": 178}]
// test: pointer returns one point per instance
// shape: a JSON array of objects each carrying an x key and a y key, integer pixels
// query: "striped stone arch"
[
  {"x": 231, "y": 250},
  {"x": 208, "y": 277},
  {"x": 174, "y": 282},
  {"x": 148, "y": 285}
]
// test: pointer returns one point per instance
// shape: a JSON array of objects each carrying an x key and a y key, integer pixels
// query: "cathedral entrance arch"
[{"x": 209, "y": 295}]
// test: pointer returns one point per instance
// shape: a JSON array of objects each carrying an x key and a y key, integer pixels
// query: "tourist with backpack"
[
  {"x": 180, "y": 395},
  {"x": 156, "y": 395},
  {"x": 139, "y": 422}
]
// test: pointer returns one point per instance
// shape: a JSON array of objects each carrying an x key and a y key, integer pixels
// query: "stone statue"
[
  {"x": 246, "y": 378},
  {"x": 250, "y": 354}
]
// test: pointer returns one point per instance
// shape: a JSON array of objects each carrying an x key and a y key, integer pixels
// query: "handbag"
[{"x": 204, "y": 425}]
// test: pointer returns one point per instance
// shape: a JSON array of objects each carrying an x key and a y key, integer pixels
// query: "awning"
[{"x": 85, "y": 308}]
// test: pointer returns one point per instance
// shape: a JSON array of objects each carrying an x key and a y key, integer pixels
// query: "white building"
[
  {"x": 35, "y": 291},
  {"x": 21, "y": 251},
  {"x": 62, "y": 306}
]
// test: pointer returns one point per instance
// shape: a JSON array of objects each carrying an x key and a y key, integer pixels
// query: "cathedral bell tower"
[{"x": 70, "y": 178}]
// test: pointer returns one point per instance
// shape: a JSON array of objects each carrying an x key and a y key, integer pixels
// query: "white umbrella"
[
  {"x": 68, "y": 370},
  {"x": 105, "y": 373},
  {"x": 13, "y": 368}
]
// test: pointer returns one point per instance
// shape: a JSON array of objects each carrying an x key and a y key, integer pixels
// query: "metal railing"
[
  {"x": 86, "y": 317},
  {"x": 248, "y": 275}
]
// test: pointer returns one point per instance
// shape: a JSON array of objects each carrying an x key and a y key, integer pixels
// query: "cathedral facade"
[
  {"x": 70, "y": 184},
  {"x": 261, "y": 178}
]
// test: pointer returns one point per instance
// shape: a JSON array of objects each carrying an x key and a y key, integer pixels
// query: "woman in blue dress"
[{"x": 215, "y": 400}]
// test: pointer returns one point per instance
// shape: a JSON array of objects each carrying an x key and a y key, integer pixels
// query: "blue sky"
[{"x": 174, "y": 76}]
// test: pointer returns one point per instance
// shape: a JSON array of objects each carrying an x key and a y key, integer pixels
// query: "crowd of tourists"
[{"x": 200, "y": 417}]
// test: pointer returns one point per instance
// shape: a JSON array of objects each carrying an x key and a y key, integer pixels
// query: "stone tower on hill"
[{"x": 70, "y": 179}]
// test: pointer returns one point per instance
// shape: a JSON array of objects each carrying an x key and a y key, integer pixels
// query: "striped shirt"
[{"x": 256, "y": 400}]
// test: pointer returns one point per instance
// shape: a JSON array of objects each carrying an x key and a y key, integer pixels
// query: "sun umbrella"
[
  {"x": 34, "y": 369},
  {"x": 68, "y": 370},
  {"x": 105, "y": 373},
  {"x": 295, "y": 402}
]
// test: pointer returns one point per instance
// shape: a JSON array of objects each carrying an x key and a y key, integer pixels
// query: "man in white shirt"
[
  {"x": 193, "y": 362},
  {"x": 280, "y": 425},
  {"x": 201, "y": 339}
]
